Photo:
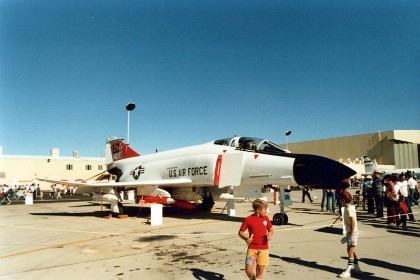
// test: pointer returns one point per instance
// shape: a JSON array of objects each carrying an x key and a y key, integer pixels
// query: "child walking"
[
  {"x": 260, "y": 231},
  {"x": 403, "y": 212},
  {"x": 352, "y": 234}
]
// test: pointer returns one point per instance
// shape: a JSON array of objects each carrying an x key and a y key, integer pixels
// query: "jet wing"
[{"x": 88, "y": 187}]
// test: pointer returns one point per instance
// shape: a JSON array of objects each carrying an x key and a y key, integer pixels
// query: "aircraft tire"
[
  {"x": 286, "y": 219},
  {"x": 278, "y": 219},
  {"x": 121, "y": 208}
]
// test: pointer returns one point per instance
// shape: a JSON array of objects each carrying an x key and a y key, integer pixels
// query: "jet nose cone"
[{"x": 319, "y": 172}]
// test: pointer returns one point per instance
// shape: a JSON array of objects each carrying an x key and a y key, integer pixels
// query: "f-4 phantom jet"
[{"x": 246, "y": 164}]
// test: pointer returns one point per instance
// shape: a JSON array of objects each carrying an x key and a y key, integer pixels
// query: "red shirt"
[
  {"x": 258, "y": 226},
  {"x": 403, "y": 208}
]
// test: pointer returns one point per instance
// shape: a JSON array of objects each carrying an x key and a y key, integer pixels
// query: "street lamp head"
[
  {"x": 288, "y": 132},
  {"x": 130, "y": 106}
]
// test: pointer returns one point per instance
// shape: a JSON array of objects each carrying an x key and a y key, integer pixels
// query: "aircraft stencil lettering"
[{"x": 191, "y": 171}]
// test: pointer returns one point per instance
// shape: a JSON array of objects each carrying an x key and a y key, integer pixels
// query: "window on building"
[
  {"x": 69, "y": 167},
  {"x": 88, "y": 167},
  {"x": 100, "y": 167}
]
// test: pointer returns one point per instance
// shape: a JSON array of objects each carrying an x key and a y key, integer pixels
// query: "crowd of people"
[
  {"x": 7, "y": 193},
  {"x": 398, "y": 193}
]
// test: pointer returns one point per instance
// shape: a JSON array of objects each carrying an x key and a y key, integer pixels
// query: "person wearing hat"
[
  {"x": 378, "y": 193},
  {"x": 368, "y": 193}
]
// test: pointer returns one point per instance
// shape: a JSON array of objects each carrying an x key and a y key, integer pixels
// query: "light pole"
[
  {"x": 287, "y": 142},
  {"x": 130, "y": 107}
]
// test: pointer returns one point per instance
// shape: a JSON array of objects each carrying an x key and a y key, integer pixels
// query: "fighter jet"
[
  {"x": 246, "y": 164},
  {"x": 370, "y": 166}
]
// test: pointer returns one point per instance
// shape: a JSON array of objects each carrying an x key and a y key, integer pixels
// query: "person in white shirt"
[
  {"x": 412, "y": 184},
  {"x": 5, "y": 195},
  {"x": 405, "y": 191}
]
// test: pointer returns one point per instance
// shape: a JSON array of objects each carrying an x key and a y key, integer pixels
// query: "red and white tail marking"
[{"x": 121, "y": 150}]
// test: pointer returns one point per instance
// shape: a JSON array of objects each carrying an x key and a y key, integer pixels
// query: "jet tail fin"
[
  {"x": 370, "y": 166},
  {"x": 117, "y": 150}
]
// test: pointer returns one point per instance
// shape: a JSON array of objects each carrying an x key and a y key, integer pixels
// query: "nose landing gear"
[{"x": 280, "y": 219}]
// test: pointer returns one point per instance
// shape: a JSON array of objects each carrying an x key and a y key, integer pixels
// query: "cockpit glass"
[
  {"x": 252, "y": 144},
  {"x": 223, "y": 142}
]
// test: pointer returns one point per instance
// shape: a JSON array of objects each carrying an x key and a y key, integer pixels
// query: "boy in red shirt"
[{"x": 260, "y": 231}]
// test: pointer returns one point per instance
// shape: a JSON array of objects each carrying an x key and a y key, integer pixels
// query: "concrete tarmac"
[{"x": 73, "y": 239}]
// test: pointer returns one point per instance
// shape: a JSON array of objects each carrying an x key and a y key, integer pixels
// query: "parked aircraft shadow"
[
  {"x": 145, "y": 212},
  {"x": 98, "y": 214},
  {"x": 206, "y": 275},
  {"x": 315, "y": 265}
]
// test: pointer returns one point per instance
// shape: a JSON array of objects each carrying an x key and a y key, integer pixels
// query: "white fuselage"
[{"x": 199, "y": 163}]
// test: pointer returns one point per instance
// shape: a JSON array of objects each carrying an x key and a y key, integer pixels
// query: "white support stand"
[
  {"x": 156, "y": 215},
  {"x": 266, "y": 200},
  {"x": 231, "y": 207},
  {"x": 29, "y": 199},
  {"x": 130, "y": 195}
]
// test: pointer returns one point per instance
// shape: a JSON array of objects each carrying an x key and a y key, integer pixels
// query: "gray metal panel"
[{"x": 406, "y": 155}]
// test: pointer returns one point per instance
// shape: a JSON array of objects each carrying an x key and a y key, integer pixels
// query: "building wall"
[
  {"x": 23, "y": 170},
  {"x": 397, "y": 148}
]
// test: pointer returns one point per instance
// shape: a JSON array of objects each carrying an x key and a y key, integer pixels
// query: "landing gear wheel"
[
  {"x": 286, "y": 219},
  {"x": 121, "y": 209},
  {"x": 280, "y": 219}
]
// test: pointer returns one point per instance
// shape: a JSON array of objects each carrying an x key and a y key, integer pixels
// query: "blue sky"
[{"x": 203, "y": 70}]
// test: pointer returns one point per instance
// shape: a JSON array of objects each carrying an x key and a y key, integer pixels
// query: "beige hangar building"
[
  {"x": 394, "y": 149},
  {"x": 390, "y": 149},
  {"x": 23, "y": 170}
]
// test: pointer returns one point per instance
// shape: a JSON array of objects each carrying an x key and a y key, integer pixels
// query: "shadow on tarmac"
[
  {"x": 414, "y": 232},
  {"x": 334, "y": 270},
  {"x": 206, "y": 275},
  {"x": 331, "y": 230},
  {"x": 391, "y": 266},
  {"x": 137, "y": 212}
]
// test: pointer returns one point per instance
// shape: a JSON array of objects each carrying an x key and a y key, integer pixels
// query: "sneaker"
[
  {"x": 356, "y": 268},
  {"x": 345, "y": 274},
  {"x": 9, "y": 203}
]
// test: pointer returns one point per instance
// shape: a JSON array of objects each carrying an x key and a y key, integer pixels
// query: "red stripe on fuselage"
[{"x": 217, "y": 170}]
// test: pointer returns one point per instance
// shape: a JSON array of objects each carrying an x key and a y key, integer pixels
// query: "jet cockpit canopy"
[{"x": 252, "y": 144}]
